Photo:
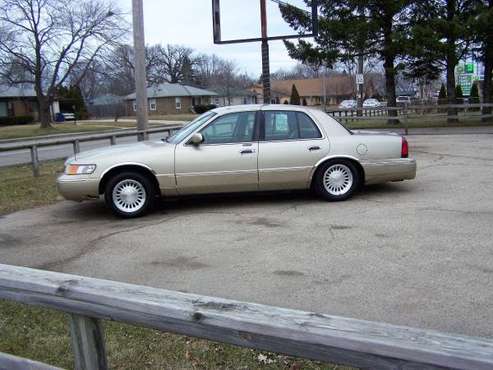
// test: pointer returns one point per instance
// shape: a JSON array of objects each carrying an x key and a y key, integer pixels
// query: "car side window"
[
  {"x": 280, "y": 125},
  {"x": 288, "y": 125},
  {"x": 308, "y": 128},
  {"x": 230, "y": 128}
]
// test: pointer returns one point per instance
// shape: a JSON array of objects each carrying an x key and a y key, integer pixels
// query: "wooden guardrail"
[
  {"x": 75, "y": 142},
  {"x": 405, "y": 110},
  {"x": 334, "y": 339}
]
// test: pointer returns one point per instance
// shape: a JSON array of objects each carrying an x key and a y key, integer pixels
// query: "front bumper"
[
  {"x": 78, "y": 187},
  {"x": 389, "y": 170}
]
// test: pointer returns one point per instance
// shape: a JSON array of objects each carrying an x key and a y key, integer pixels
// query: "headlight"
[{"x": 80, "y": 169}]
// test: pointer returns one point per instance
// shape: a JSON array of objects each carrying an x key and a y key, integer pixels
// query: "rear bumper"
[
  {"x": 389, "y": 170},
  {"x": 77, "y": 188}
]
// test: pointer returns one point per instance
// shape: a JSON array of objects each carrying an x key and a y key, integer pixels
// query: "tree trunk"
[
  {"x": 44, "y": 111},
  {"x": 451, "y": 98},
  {"x": 390, "y": 88},
  {"x": 451, "y": 62},
  {"x": 487, "y": 83}
]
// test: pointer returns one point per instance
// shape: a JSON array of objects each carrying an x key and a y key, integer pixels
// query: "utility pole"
[
  {"x": 140, "y": 68},
  {"x": 265, "y": 53}
]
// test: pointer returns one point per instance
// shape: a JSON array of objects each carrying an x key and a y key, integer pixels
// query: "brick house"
[
  {"x": 170, "y": 98},
  {"x": 337, "y": 88},
  {"x": 18, "y": 101}
]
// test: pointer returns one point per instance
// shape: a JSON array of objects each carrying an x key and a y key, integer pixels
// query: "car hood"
[{"x": 122, "y": 150}]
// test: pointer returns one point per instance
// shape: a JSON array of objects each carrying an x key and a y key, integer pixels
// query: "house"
[
  {"x": 330, "y": 90},
  {"x": 233, "y": 96},
  {"x": 107, "y": 105},
  {"x": 170, "y": 98},
  {"x": 16, "y": 101}
]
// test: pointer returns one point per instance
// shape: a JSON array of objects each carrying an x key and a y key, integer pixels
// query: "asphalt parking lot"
[{"x": 416, "y": 253}]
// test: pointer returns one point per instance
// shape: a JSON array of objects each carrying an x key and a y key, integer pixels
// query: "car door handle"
[
  {"x": 312, "y": 148},
  {"x": 247, "y": 151}
]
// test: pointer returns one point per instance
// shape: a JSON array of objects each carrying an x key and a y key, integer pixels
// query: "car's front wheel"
[
  {"x": 337, "y": 180},
  {"x": 129, "y": 194}
]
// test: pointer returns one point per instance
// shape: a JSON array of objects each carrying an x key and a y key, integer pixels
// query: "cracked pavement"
[{"x": 416, "y": 253}]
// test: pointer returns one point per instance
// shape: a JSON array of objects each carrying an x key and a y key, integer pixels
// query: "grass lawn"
[
  {"x": 19, "y": 189},
  {"x": 43, "y": 335},
  {"x": 19, "y": 131}
]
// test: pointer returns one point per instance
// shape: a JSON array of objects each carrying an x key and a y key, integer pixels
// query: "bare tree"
[
  {"x": 170, "y": 63},
  {"x": 49, "y": 39}
]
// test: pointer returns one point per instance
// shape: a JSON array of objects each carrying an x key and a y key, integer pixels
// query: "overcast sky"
[{"x": 189, "y": 23}]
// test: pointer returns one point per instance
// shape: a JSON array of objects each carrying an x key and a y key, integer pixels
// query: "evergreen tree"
[
  {"x": 377, "y": 29},
  {"x": 459, "y": 96},
  {"x": 474, "y": 95},
  {"x": 484, "y": 50},
  {"x": 442, "y": 95},
  {"x": 441, "y": 32},
  {"x": 295, "y": 97}
]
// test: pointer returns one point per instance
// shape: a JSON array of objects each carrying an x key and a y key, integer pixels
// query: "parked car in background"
[
  {"x": 239, "y": 149},
  {"x": 348, "y": 104},
  {"x": 371, "y": 103},
  {"x": 403, "y": 100}
]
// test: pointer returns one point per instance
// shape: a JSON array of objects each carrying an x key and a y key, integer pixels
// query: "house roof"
[
  {"x": 7, "y": 91},
  {"x": 340, "y": 85},
  {"x": 106, "y": 99},
  {"x": 166, "y": 90},
  {"x": 233, "y": 91}
]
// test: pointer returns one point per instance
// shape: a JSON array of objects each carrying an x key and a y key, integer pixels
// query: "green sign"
[{"x": 469, "y": 68}]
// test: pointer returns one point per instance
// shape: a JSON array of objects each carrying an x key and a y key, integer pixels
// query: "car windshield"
[{"x": 189, "y": 128}]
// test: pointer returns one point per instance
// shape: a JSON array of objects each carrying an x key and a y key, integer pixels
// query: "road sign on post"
[{"x": 264, "y": 39}]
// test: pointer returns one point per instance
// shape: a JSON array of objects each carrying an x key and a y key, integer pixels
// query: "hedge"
[
  {"x": 199, "y": 109},
  {"x": 18, "y": 120}
]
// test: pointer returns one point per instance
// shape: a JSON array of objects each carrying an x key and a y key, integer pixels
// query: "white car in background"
[
  {"x": 348, "y": 104},
  {"x": 371, "y": 103}
]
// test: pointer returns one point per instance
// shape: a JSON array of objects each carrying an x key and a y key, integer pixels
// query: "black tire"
[
  {"x": 132, "y": 178},
  {"x": 347, "y": 191}
]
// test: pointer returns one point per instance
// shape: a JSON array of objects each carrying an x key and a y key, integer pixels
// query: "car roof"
[{"x": 263, "y": 107}]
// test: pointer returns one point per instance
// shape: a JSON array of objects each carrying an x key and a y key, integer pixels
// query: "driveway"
[{"x": 416, "y": 253}]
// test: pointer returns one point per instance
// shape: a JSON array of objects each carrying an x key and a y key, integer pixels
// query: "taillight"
[{"x": 404, "y": 148}]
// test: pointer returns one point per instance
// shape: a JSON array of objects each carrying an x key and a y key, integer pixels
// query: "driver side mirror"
[{"x": 197, "y": 139}]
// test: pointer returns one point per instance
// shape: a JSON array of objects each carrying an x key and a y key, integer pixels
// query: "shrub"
[
  {"x": 18, "y": 120},
  {"x": 295, "y": 96},
  {"x": 199, "y": 109}
]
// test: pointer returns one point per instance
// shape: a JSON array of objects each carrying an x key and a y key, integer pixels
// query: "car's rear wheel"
[
  {"x": 129, "y": 194},
  {"x": 337, "y": 180}
]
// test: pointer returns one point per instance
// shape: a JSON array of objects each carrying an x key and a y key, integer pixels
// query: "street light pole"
[{"x": 140, "y": 69}]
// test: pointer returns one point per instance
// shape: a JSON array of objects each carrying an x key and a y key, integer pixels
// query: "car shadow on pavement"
[{"x": 97, "y": 211}]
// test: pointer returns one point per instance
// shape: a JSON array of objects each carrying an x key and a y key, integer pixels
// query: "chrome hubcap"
[
  {"x": 129, "y": 195},
  {"x": 338, "y": 179}
]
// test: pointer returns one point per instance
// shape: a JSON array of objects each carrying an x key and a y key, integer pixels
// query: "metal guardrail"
[
  {"x": 75, "y": 141},
  {"x": 321, "y": 337}
]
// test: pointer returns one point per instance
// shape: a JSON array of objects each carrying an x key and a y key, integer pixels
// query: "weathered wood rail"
[
  {"x": 403, "y": 111},
  {"x": 315, "y": 336},
  {"x": 77, "y": 139}
]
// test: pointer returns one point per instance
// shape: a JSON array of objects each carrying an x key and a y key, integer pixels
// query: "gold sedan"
[{"x": 239, "y": 149}]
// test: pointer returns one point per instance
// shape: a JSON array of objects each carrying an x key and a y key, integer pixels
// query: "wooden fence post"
[
  {"x": 76, "y": 147},
  {"x": 35, "y": 160},
  {"x": 88, "y": 343}
]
